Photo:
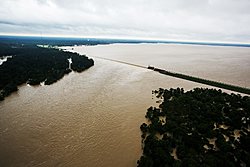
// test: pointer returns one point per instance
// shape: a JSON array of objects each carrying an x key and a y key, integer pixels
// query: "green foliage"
[
  {"x": 33, "y": 65},
  {"x": 191, "y": 121}
]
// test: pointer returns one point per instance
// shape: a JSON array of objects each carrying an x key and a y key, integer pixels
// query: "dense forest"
[
  {"x": 33, "y": 65},
  {"x": 201, "y": 127}
]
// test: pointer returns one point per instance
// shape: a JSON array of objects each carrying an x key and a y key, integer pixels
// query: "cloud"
[{"x": 209, "y": 20}]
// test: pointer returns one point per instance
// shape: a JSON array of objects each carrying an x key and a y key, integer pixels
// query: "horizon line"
[{"x": 147, "y": 40}]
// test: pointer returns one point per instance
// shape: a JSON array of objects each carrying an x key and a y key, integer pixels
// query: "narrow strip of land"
[
  {"x": 203, "y": 81},
  {"x": 188, "y": 77},
  {"x": 118, "y": 61}
]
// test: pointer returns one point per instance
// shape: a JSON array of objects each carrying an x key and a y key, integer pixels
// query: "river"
[{"x": 93, "y": 118}]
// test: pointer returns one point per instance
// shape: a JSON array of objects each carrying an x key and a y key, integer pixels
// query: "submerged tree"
[
  {"x": 33, "y": 65},
  {"x": 197, "y": 128}
]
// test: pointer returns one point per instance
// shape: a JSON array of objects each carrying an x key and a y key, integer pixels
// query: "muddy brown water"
[{"x": 93, "y": 118}]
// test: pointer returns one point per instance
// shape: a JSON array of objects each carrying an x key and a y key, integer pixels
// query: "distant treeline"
[
  {"x": 60, "y": 41},
  {"x": 34, "y": 65},
  {"x": 203, "y": 81},
  {"x": 63, "y": 41},
  {"x": 201, "y": 127}
]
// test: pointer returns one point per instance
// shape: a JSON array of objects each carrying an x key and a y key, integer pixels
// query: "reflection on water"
[{"x": 93, "y": 118}]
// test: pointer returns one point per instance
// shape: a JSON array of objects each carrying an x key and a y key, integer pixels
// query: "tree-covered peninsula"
[
  {"x": 201, "y": 127},
  {"x": 33, "y": 65}
]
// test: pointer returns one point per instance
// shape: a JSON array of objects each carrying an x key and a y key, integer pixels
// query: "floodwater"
[{"x": 93, "y": 118}]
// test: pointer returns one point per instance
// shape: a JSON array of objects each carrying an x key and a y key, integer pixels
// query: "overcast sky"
[{"x": 195, "y": 20}]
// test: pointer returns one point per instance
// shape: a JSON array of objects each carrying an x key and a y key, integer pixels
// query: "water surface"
[{"x": 92, "y": 118}]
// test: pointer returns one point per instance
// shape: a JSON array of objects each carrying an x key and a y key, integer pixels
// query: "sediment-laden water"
[{"x": 92, "y": 118}]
